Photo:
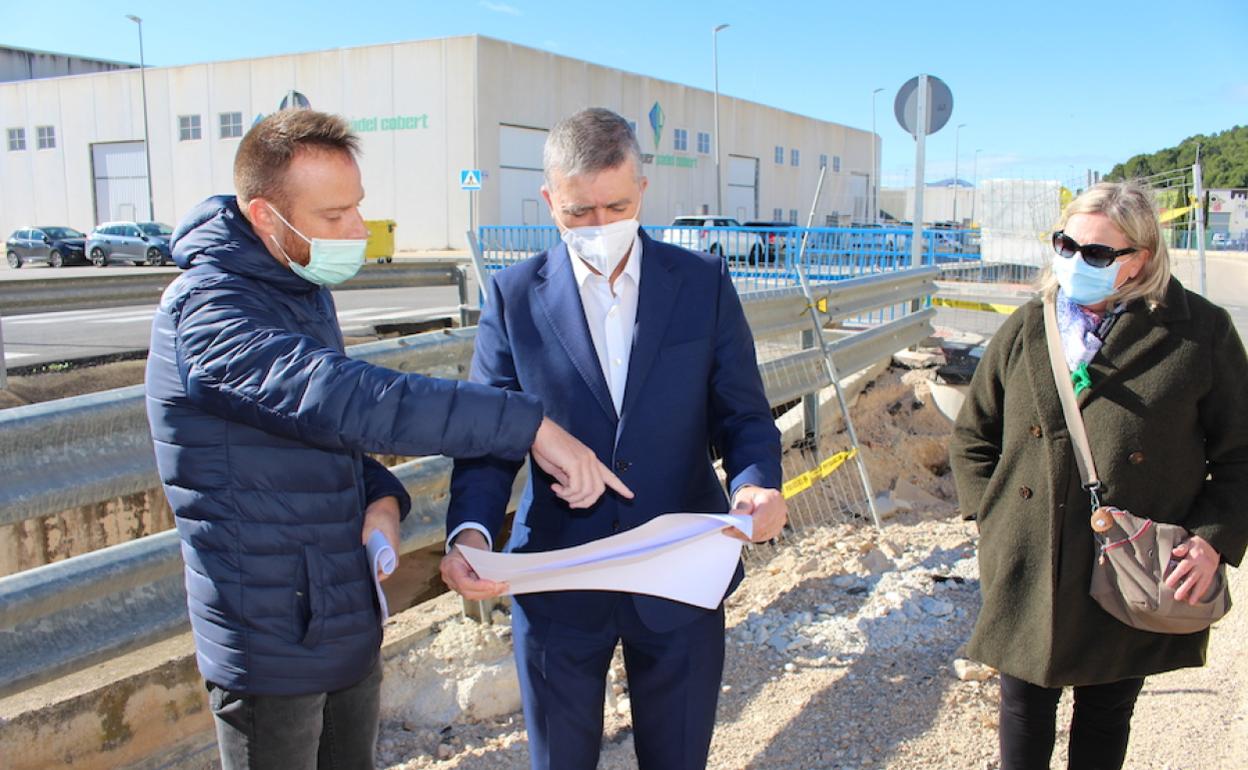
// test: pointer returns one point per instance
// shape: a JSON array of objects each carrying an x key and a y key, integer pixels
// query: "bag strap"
[{"x": 1070, "y": 407}]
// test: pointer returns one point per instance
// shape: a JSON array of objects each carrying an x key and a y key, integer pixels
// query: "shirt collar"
[{"x": 632, "y": 268}]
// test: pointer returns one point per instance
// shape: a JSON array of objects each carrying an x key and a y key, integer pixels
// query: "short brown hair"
[{"x": 265, "y": 153}]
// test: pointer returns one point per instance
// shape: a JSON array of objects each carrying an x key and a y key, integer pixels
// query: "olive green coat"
[{"x": 1167, "y": 420}]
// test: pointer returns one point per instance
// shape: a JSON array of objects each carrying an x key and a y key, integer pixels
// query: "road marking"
[{"x": 12, "y": 356}]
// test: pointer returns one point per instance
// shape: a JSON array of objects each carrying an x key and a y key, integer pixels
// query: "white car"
[{"x": 716, "y": 235}]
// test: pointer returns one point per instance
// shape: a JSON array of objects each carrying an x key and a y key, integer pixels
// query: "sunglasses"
[{"x": 1095, "y": 254}]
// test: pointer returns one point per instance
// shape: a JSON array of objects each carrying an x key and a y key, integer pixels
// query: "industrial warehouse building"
[{"x": 74, "y": 152}]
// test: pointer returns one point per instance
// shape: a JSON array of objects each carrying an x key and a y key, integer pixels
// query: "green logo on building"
[{"x": 656, "y": 122}]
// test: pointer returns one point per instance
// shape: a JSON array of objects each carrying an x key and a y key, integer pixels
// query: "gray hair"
[{"x": 590, "y": 141}]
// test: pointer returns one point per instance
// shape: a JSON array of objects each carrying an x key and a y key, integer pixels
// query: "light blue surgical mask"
[
  {"x": 331, "y": 261},
  {"x": 1082, "y": 283}
]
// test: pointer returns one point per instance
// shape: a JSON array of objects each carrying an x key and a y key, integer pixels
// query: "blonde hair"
[{"x": 1130, "y": 207}]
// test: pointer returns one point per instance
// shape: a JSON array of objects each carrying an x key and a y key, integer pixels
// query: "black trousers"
[
  {"x": 1098, "y": 732},
  {"x": 319, "y": 731}
]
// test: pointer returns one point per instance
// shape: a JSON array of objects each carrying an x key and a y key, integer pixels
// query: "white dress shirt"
[{"x": 611, "y": 314}]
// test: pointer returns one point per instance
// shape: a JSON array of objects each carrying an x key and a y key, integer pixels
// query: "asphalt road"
[{"x": 72, "y": 334}]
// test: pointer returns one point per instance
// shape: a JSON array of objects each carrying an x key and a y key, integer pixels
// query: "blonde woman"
[{"x": 1162, "y": 383}]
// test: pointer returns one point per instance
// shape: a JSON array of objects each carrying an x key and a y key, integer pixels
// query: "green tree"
[{"x": 1224, "y": 158}]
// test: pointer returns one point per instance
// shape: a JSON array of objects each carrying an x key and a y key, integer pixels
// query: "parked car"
[
  {"x": 714, "y": 234},
  {"x": 140, "y": 243},
  {"x": 56, "y": 246},
  {"x": 776, "y": 234},
  {"x": 1220, "y": 240}
]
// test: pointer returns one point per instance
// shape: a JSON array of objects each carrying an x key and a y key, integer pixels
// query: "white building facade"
[{"x": 74, "y": 151}]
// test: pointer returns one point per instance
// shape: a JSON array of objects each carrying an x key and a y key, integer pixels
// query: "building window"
[
  {"x": 777, "y": 215},
  {"x": 680, "y": 140},
  {"x": 45, "y": 137},
  {"x": 17, "y": 139},
  {"x": 231, "y": 125},
  {"x": 836, "y": 164},
  {"x": 793, "y": 157},
  {"x": 704, "y": 143},
  {"x": 835, "y": 216},
  {"x": 823, "y": 161},
  {"x": 792, "y": 216},
  {"x": 189, "y": 128},
  {"x": 779, "y": 155},
  {"x": 830, "y": 220}
]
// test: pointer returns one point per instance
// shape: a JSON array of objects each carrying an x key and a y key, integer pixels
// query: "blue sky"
[{"x": 1046, "y": 90}]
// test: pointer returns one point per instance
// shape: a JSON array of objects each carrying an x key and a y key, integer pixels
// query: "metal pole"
[
  {"x": 4, "y": 366},
  {"x": 147, "y": 140},
  {"x": 1199, "y": 190},
  {"x": 920, "y": 134},
  {"x": 829, "y": 366},
  {"x": 957, "y": 184},
  {"x": 974, "y": 184},
  {"x": 874, "y": 194},
  {"x": 719, "y": 186},
  {"x": 478, "y": 267}
]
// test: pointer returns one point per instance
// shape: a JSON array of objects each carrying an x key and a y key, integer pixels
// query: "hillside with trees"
[{"x": 1223, "y": 155}]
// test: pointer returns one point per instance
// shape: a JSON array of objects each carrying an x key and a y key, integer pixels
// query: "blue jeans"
[{"x": 325, "y": 731}]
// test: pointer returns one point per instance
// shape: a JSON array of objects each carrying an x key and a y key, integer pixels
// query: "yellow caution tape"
[
  {"x": 799, "y": 484},
  {"x": 983, "y": 307}
]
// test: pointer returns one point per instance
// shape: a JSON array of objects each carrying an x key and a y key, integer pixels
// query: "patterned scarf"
[{"x": 1080, "y": 341}]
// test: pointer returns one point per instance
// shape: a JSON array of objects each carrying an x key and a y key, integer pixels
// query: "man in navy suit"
[{"x": 641, "y": 349}]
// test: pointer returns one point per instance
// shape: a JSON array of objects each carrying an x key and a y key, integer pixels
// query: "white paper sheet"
[
  {"x": 381, "y": 556},
  {"x": 682, "y": 556}
]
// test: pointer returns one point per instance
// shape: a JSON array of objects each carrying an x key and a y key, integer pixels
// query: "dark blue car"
[
  {"x": 56, "y": 246},
  {"x": 139, "y": 243}
]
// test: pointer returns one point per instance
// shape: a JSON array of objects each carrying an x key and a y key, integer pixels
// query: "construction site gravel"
[{"x": 843, "y": 647}]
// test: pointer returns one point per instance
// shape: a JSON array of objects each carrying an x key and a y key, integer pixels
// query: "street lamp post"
[
  {"x": 719, "y": 186},
  {"x": 147, "y": 143},
  {"x": 957, "y": 136},
  {"x": 873, "y": 195},
  {"x": 974, "y": 183}
]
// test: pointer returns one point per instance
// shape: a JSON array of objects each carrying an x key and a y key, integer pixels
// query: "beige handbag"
[{"x": 1133, "y": 553}]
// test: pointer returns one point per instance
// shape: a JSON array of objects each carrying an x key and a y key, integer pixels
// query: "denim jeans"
[
  {"x": 321, "y": 731},
  {"x": 1099, "y": 728}
]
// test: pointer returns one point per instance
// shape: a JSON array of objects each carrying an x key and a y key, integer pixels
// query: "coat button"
[
  {"x": 1024, "y": 492},
  {"x": 1136, "y": 458},
  {"x": 622, "y": 465},
  {"x": 1036, "y": 431}
]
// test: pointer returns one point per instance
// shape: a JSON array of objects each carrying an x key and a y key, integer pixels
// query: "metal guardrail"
[
  {"x": 47, "y": 294},
  {"x": 67, "y": 615}
]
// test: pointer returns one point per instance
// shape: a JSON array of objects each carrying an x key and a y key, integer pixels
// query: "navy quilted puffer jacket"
[{"x": 260, "y": 424}]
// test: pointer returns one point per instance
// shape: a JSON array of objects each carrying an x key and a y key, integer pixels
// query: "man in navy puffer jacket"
[{"x": 261, "y": 424}]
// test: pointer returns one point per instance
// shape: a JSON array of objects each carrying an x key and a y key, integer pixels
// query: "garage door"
[
  {"x": 742, "y": 200},
  {"x": 520, "y": 176},
  {"x": 120, "y": 171}
]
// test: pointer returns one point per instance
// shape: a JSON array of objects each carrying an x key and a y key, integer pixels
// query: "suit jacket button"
[
  {"x": 1036, "y": 431},
  {"x": 622, "y": 465},
  {"x": 1024, "y": 492},
  {"x": 1136, "y": 458}
]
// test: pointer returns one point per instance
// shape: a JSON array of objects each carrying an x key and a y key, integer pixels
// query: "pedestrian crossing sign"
[{"x": 470, "y": 179}]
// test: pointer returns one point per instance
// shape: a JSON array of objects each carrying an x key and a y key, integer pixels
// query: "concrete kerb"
[{"x": 149, "y": 708}]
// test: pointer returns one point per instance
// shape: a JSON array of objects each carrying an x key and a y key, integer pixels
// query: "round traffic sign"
[{"x": 939, "y": 105}]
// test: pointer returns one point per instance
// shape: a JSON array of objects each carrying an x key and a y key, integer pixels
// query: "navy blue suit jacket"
[{"x": 693, "y": 384}]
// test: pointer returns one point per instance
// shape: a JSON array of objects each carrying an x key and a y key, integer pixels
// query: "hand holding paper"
[
  {"x": 682, "y": 556},
  {"x": 383, "y": 560}
]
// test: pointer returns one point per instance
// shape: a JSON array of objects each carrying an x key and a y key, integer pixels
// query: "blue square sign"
[{"x": 470, "y": 179}]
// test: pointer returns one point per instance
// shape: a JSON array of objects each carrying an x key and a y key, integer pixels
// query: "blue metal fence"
[{"x": 765, "y": 258}]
